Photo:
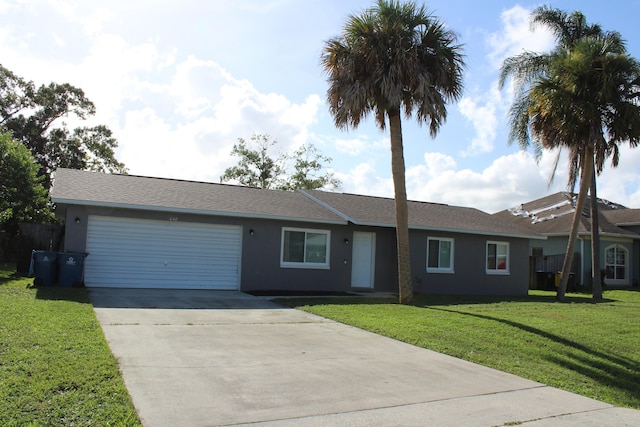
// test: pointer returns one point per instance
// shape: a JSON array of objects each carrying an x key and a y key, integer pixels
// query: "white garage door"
[{"x": 135, "y": 253}]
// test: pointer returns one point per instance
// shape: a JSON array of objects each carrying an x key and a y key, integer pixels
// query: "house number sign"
[{"x": 173, "y": 218}]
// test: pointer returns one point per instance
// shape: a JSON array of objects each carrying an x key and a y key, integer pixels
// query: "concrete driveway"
[{"x": 207, "y": 358}]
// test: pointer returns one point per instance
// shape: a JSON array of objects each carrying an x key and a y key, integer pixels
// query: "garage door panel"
[{"x": 136, "y": 253}]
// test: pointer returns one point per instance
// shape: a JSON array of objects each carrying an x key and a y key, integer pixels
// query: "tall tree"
[
  {"x": 34, "y": 117},
  {"x": 23, "y": 198},
  {"x": 582, "y": 96},
  {"x": 393, "y": 58},
  {"x": 308, "y": 174},
  {"x": 256, "y": 167}
]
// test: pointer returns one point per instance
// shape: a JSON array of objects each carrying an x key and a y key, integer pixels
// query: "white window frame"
[
  {"x": 486, "y": 258},
  {"x": 617, "y": 248},
  {"x": 451, "y": 257},
  {"x": 305, "y": 264}
]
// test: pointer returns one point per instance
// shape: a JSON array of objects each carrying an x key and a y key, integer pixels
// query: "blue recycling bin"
[
  {"x": 71, "y": 269},
  {"x": 45, "y": 268}
]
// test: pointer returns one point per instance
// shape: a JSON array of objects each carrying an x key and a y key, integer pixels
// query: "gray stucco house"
[
  {"x": 619, "y": 231},
  {"x": 144, "y": 232}
]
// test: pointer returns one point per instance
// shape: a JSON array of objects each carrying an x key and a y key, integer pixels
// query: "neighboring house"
[
  {"x": 143, "y": 232},
  {"x": 551, "y": 216}
]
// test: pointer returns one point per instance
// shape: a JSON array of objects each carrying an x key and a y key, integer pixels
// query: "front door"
[{"x": 363, "y": 263}]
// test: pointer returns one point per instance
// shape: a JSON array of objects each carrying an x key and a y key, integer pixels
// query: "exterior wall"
[
  {"x": 261, "y": 251},
  {"x": 558, "y": 245},
  {"x": 635, "y": 257},
  {"x": 554, "y": 245},
  {"x": 470, "y": 276},
  {"x": 261, "y": 268}
]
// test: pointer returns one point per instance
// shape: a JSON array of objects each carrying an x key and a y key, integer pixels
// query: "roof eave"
[
  {"x": 456, "y": 230},
  {"x": 194, "y": 211}
]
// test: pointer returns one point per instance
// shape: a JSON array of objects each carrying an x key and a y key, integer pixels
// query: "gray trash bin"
[
  {"x": 71, "y": 269},
  {"x": 45, "y": 267}
]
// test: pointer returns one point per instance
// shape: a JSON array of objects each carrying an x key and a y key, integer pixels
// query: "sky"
[{"x": 179, "y": 82}]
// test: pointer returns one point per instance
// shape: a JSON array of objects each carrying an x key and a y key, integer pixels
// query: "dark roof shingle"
[
  {"x": 553, "y": 215},
  {"x": 380, "y": 211},
  {"x": 74, "y": 187},
  {"x": 129, "y": 191}
]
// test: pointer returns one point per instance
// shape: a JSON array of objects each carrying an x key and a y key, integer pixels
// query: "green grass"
[
  {"x": 578, "y": 346},
  {"x": 55, "y": 365}
]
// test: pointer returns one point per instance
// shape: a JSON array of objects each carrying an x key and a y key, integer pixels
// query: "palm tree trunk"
[
  {"x": 405, "y": 286},
  {"x": 595, "y": 241},
  {"x": 585, "y": 182}
]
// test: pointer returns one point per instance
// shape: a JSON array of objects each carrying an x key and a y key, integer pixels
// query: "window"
[
  {"x": 303, "y": 248},
  {"x": 497, "y": 258},
  {"x": 615, "y": 265},
  {"x": 439, "y": 255}
]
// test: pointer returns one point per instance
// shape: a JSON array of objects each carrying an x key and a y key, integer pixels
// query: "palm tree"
[
  {"x": 394, "y": 58},
  {"x": 582, "y": 96}
]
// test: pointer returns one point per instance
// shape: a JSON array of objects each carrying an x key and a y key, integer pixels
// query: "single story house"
[
  {"x": 144, "y": 232},
  {"x": 619, "y": 227}
]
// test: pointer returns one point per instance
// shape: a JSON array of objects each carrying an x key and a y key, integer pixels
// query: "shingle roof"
[
  {"x": 138, "y": 192},
  {"x": 74, "y": 187},
  {"x": 553, "y": 214},
  {"x": 623, "y": 217},
  {"x": 380, "y": 211}
]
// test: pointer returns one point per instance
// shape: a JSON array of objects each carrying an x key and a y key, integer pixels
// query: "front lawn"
[
  {"x": 55, "y": 365},
  {"x": 578, "y": 346}
]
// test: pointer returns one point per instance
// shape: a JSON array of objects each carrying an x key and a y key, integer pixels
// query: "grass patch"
[
  {"x": 578, "y": 346},
  {"x": 55, "y": 365}
]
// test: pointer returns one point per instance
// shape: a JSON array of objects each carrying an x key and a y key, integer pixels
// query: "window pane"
[
  {"x": 501, "y": 251},
  {"x": 445, "y": 254},
  {"x": 502, "y": 256},
  {"x": 316, "y": 248},
  {"x": 620, "y": 272},
  {"x": 491, "y": 256},
  {"x": 620, "y": 257},
  {"x": 611, "y": 256},
  {"x": 610, "y": 272},
  {"x": 433, "y": 253},
  {"x": 293, "y": 246}
]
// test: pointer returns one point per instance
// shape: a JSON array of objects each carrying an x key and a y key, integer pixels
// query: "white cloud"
[
  {"x": 210, "y": 112},
  {"x": 622, "y": 184},
  {"x": 509, "y": 180},
  {"x": 361, "y": 144},
  {"x": 517, "y": 36},
  {"x": 173, "y": 115},
  {"x": 484, "y": 120},
  {"x": 363, "y": 179}
]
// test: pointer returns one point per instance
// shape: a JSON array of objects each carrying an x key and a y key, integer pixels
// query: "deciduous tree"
[
  {"x": 34, "y": 115},
  {"x": 259, "y": 167},
  {"x": 23, "y": 198}
]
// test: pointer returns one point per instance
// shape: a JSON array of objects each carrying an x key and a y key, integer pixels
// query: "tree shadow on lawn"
[
  {"x": 606, "y": 371},
  {"x": 423, "y": 300},
  {"x": 428, "y": 300},
  {"x": 616, "y": 371},
  {"x": 6, "y": 277}
]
